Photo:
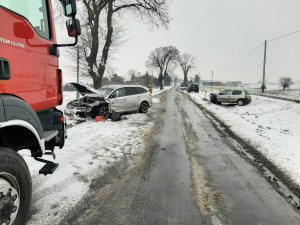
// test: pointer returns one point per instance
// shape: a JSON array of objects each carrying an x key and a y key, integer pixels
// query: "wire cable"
[
  {"x": 241, "y": 59},
  {"x": 247, "y": 55},
  {"x": 285, "y": 35}
]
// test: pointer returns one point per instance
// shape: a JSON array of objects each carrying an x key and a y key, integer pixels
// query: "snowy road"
[{"x": 189, "y": 173}]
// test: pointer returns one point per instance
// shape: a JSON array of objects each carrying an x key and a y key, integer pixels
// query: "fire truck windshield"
[{"x": 35, "y": 11}]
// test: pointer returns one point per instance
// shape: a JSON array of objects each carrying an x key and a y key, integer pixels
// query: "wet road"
[{"x": 189, "y": 174}]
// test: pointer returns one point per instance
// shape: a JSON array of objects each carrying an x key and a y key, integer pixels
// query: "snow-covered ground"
[
  {"x": 272, "y": 126},
  {"x": 90, "y": 149}
]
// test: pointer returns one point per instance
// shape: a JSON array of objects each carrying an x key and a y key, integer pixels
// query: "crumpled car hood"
[{"x": 84, "y": 90}]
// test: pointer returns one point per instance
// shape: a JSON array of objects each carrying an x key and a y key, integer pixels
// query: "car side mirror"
[
  {"x": 73, "y": 27},
  {"x": 23, "y": 30},
  {"x": 70, "y": 7}
]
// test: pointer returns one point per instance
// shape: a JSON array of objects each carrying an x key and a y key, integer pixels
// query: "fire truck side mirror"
[
  {"x": 70, "y": 8},
  {"x": 23, "y": 30},
  {"x": 73, "y": 27}
]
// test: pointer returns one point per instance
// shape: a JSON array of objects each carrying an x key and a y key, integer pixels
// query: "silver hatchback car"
[
  {"x": 240, "y": 97},
  {"x": 127, "y": 98},
  {"x": 103, "y": 101}
]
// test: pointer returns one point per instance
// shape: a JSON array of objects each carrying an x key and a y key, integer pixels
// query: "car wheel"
[
  {"x": 104, "y": 111},
  {"x": 240, "y": 102},
  {"x": 15, "y": 188},
  {"x": 144, "y": 107}
]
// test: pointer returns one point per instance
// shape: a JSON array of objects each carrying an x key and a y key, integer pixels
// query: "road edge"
[{"x": 260, "y": 161}]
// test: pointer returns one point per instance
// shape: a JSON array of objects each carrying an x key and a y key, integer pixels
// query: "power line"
[
  {"x": 285, "y": 35},
  {"x": 246, "y": 56},
  {"x": 241, "y": 59}
]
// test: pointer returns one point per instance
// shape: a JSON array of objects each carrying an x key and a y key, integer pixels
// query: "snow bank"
[
  {"x": 157, "y": 91},
  {"x": 91, "y": 147},
  {"x": 272, "y": 126}
]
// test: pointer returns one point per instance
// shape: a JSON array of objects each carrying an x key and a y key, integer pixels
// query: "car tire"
[
  {"x": 15, "y": 187},
  {"x": 144, "y": 107},
  {"x": 104, "y": 111},
  {"x": 240, "y": 102}
]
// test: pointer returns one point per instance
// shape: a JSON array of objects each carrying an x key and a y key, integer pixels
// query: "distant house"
[
  {"x": 211, "y": 83},
  {"x": 233, "y": 84}
]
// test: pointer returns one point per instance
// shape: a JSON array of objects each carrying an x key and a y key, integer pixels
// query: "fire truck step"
[
  {"x": 50, "y": 134},
  {"x": 48, "y": 168}
]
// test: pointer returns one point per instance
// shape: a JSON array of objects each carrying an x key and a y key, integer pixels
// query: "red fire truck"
[{"x": 30, "y": 91}]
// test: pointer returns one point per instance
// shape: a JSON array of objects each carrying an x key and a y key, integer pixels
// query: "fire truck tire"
[{"x": 15, "y": 188}]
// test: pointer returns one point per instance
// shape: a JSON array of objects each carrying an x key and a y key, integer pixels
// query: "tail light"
[{"x": 62, "y": 119}]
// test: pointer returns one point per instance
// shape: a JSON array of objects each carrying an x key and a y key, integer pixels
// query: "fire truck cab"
[{"x": 30, "y": 91}]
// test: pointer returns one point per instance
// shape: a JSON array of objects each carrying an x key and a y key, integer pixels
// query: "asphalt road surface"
[{"x": 189, "y": 174}]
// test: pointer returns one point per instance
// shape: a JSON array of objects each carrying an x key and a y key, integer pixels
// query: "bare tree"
[
  {"x": 161, "y": 58},
  {"x": 186, "y": 62},
  {"x": 101, "y": 18},
  {"x": 285, "y": 82}
]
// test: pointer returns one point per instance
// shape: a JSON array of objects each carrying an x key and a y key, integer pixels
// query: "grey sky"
[{"x": 218, "y": 33}]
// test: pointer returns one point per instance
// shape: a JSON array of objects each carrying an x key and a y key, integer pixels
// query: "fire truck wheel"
[{"x": 15, "y": 188}]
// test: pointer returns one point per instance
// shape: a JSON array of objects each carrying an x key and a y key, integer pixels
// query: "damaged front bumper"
[{"x": 78, "y": 108}]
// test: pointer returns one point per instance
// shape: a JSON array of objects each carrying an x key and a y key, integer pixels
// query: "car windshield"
[{"x": 105, "y": 91}]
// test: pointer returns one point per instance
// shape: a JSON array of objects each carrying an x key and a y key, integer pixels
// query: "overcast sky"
[{"x": 219, "y": 33}]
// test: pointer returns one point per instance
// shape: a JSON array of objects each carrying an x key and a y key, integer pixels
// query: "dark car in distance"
[
  {"x": 183, "y": 86},
  {"x": 194, "y": 88}
]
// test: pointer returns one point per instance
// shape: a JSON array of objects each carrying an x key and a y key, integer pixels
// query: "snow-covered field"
[
  {"x": 270, "y": 125},
  {"x": 90, "y": 149},
  {"x": 273, "y": 90},
  {"x": 293, "y": 94}
]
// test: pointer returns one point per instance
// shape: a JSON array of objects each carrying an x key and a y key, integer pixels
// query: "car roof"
[{"x": 115, "y": 86}]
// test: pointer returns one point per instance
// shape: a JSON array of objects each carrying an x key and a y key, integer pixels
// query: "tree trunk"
[
  {"x": 160, "y": 80},
  {"x": 97, "y": 81},
  {"x": 105, "y": 50},
  {"x": 185, "y": 78}
]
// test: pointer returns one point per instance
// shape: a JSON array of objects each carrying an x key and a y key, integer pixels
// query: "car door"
[
  {"x": 118, "y": 100},
  {"x": 224, "y": 96},
  {"x": 132, "y": 98},
  {"x": 236, "y": 94}
]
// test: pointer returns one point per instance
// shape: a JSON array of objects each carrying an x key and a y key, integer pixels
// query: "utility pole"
[
  {"x": 211, "y": 81},
  {"x": 263, "y": 85},
  {"x": 77, "y": 95}
]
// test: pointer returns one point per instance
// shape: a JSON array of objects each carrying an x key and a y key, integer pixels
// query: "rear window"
[
  {"x": 35, "y": 11},
  {"x": 140, "y": 90},
  {"x": 131, "y": 91},
  {"x": 236, "y": 92}
]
